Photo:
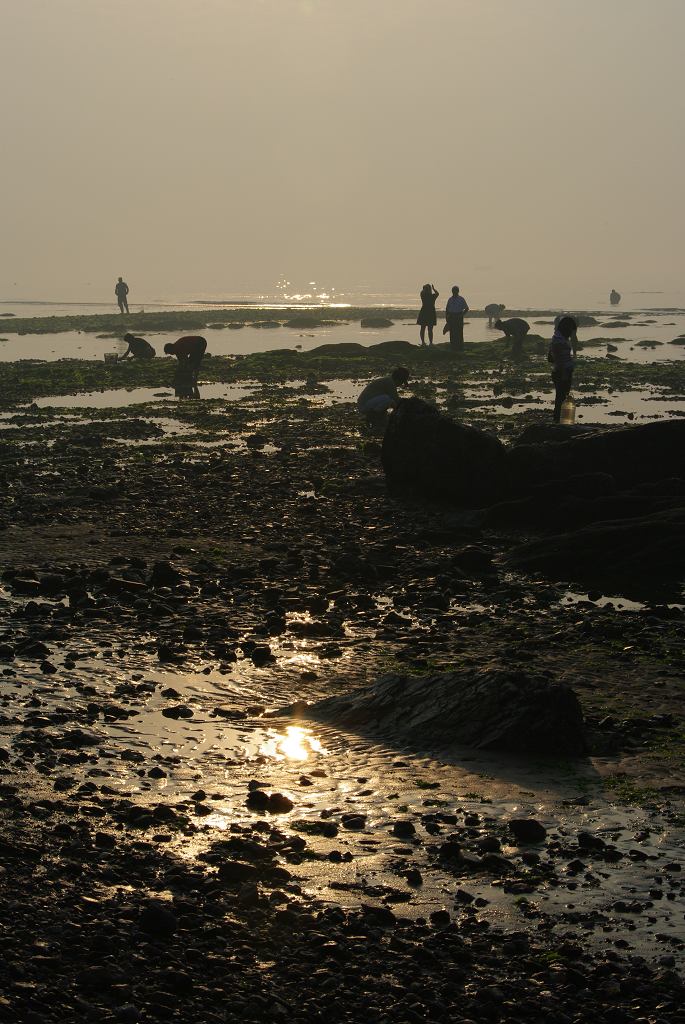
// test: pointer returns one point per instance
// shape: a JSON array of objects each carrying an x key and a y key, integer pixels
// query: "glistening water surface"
[
  {"x": 199, "y": 739},
  {"x": 665, "y": 328}
]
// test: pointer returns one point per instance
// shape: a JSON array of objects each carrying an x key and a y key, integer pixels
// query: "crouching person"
[
  {"x": 138, "y": 348},
  {"x": 380, "y": 396}
]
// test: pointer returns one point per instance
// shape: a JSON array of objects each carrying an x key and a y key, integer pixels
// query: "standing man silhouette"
[
  {"x": 121, "y": 292},
  {"x": 457, "y": 306}
]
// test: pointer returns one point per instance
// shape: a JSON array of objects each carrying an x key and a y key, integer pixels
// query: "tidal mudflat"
[{"x": 177, "y": 575}]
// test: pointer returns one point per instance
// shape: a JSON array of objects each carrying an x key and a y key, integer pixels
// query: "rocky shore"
[{"x": 171, "y": 848}]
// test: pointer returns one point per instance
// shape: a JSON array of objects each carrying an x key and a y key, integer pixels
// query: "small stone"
[
  {"x": 588, "y": 841},
  {"x": 166, "y": 653},
  {"x": 353, "y": 822},
  {"x": 105, "y": 841},
  {"x": 527, "y": 830},
  {"x": 178, "y": 711},
  {"x": 158, "y": 920},
  {"x": 261, "y": 655},
  {"x": 237, "y": 871},
  {"x": 279, "y": 804},
  {"x": 257, "y": 800},
  {"x": 488, "y": 844},
  {"x": 449, "y": 850}
]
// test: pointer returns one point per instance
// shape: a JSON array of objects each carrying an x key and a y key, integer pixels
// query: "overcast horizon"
[{"x": 521, "y": 149}]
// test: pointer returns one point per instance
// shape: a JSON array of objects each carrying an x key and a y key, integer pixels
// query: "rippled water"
[{"x": 79, "y": 345}]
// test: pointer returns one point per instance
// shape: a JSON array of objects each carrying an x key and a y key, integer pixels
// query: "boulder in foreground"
[
  {"x": 430, "y": 454},
  {"x": 488, "y": 709},
  {"x": 436, "y": 457},
  {"x": 650, "y": 548}
]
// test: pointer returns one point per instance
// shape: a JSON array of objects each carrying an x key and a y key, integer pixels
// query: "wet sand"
[{"x": 162, "y": 594}]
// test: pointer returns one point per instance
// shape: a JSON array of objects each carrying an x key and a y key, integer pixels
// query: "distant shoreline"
[{"x": 303, "y": 317}]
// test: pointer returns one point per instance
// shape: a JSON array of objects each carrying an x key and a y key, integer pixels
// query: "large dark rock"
[
  {"x": 397, "y": 347},
  {"x": 339, "y": 349},
  {"x": 375, "y": 321},
  {"x": 435, "y": 457},
  {"x": 428, "y": 453},
  {"x": 631, "y": 455},
  {"x": 613, "y": 498},
  {"x": 561, "y": 507},
  {"x": 307, "y": 322},
  {"x": 489, "y": 709},
  {"x": 627, "y": 550}
]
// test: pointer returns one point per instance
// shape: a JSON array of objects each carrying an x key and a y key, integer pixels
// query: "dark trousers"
[
  {"x": 562, "y": 387},
  {"x": 455, "y": 324},
  {"x": 123, "y": 305},
  {"x": 516, "y": 345},
  {"x": 196, "y": 356}
]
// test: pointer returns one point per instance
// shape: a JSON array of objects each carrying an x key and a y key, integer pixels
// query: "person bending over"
[
  {"x": 191, "y": 348},
  {"x": 381, "y": 395},
  {"x": 515, "y": 331},
  {"x": 494, "y": 310},
  {"x": 138, "y": 348},
  {"x": 561, "y": 356}
]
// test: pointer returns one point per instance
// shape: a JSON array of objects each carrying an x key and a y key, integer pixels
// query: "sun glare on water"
[{"x": 296, "y": 744}]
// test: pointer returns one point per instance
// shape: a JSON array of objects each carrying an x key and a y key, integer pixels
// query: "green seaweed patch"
[{"x": 627, "y": 791}]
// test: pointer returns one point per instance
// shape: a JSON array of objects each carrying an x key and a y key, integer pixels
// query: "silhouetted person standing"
[
  {"x": 561, "y": 356},
  {"x": 427, "y": 317},
  {"x": 614, "y": 297},
  {"x": 121, "y": 292},
  {"x": 456, "y": 307},
  {"x": 515, "y": 331}
]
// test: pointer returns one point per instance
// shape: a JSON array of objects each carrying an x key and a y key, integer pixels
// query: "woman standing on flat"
[
  {"x": 427, "y": 317},
  {"x": 561, "y": 356}
]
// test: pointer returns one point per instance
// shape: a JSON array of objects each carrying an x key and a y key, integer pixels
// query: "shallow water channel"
[
  {"x": 200, "y": 738},
  {"x": 659, "y": 328}
]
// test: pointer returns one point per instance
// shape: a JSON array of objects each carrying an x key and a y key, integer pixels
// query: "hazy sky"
[{"x": 208, "y": 147}]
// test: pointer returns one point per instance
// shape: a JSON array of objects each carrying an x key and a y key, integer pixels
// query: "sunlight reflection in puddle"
[{"x": 295, "y": 744}]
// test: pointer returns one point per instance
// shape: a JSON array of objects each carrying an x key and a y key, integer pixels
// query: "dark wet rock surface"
[
  {"x": 499, "y": 710},
  {"x": 434, "y": 456},
  {"x": 131, "y": 930},
  {"x": 646, "y": 547},
  {"x": 624, "y": 488}
]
